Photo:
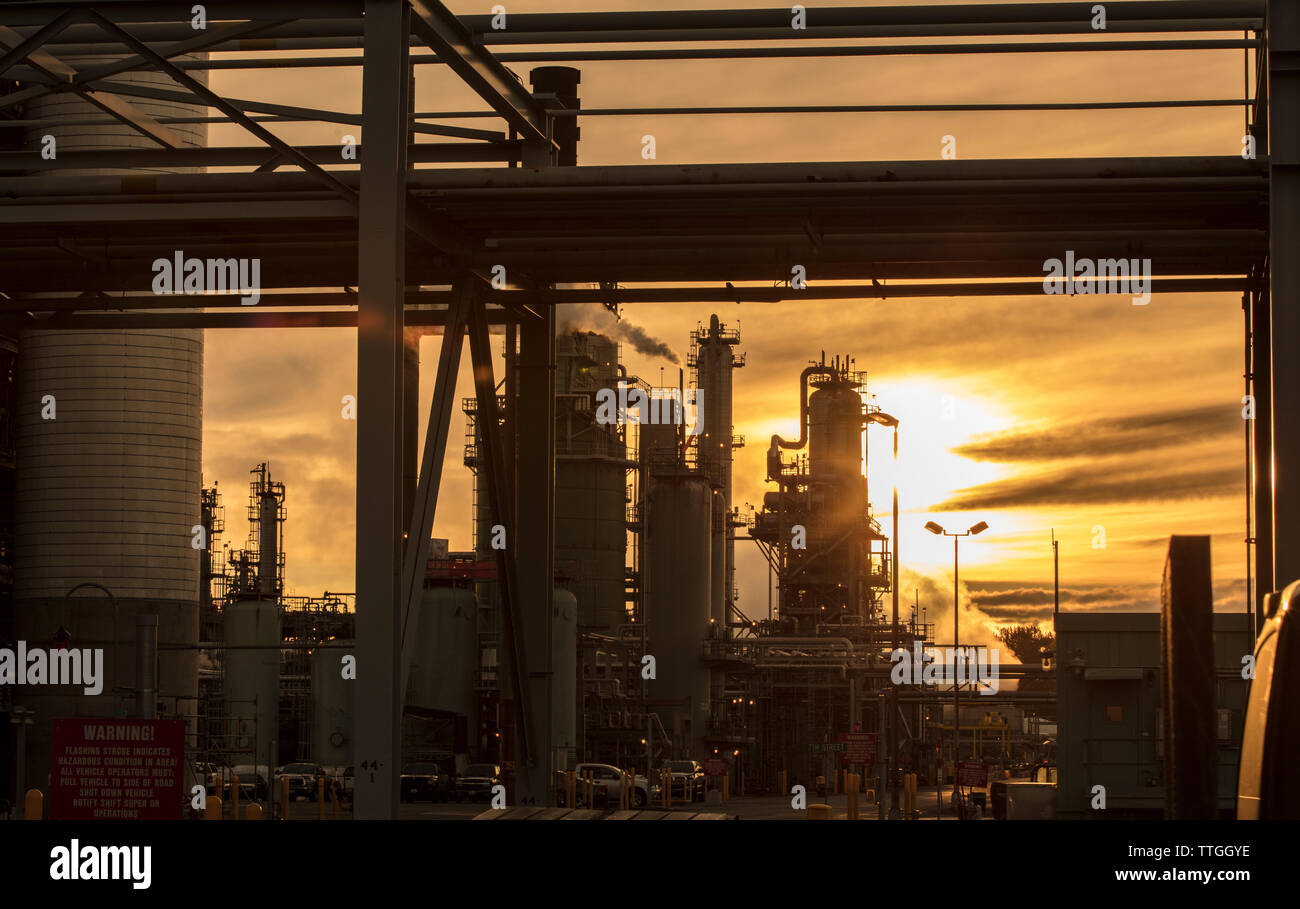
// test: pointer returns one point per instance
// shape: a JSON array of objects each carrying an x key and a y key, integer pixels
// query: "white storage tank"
[
  {"x": 252, "y": 675},
  {"x": 443, "y": 664},
  {"x": 678, "y": 556},
  {"x": 334, "y": 710},
  {"x": 107, "y": 492}
]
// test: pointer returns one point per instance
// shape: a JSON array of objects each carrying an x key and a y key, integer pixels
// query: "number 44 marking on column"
[{"x": 372, "y": 766}]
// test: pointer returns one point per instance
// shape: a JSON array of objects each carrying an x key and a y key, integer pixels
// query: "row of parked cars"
[
  {"x": 432, "y": 782},
  {"x": 254, "y": 786}
]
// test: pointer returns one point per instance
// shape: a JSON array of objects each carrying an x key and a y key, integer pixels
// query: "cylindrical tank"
[
  {"x": 564, "y": 684},
  {"x": 252, "y": 675},
  {"x": 591, "y": 535},
  {"x": 835, "y": 421},
  {"x": 677, "y": 564},
  {"x": 442, "y": 667},
  {"x": 333, "y": 709},
  {"x": 268, "y": 568},
  {"x": 108, "y": 490}
]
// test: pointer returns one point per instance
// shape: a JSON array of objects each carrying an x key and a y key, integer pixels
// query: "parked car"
[
  {"x": 477, "y": 782},
  {"x": 208, "y": 776},
  {"x": 609, "y": 784},
  {"x": 302, "y": 779},
  {"x": 687, "y": 777},
  {"x": 251, "y": 779},
  {"x": 424, "y": 781}
]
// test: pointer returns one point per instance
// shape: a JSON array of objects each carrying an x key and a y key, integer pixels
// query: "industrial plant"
[{"x": 568, "y": 639}]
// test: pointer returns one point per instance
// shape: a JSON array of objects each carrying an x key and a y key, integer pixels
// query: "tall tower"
[{"x": 714, "y": 358}]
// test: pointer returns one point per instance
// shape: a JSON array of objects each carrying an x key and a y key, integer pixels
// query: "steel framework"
[{"x": 382, "y": 229}]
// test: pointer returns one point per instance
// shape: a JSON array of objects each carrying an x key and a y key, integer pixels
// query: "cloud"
[
  {"x": 1107, "y": 436},
  {"x": 1096, "y": 484}
]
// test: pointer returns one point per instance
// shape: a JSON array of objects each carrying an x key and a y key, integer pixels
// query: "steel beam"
[
  {"x": 204, "y": 95},
  {"x": 437, "y": 430},
  {"x": 496, "y": 85},
  {"x": 424, "y": 317},
  {"x": 1284, "y": 281},
  {"x": 381, "y": 247},
  {"x": 236, "y": 156},
  {"x": 514, "y": 641},
  {"x": 1262, "y": 472},
  {"x": 196, "y": 44},
  {"x": 58, "y": 75},
  {"x": 34, "y": 41}
]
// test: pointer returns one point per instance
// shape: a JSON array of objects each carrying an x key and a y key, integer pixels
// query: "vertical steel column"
[
  {"x": 534, "y": 487},
  {"x": 381, "y": 279},
  {"x": 1284, "y": 281},
  {"x": 1262, "y": 389},
  {"x": 410, "y": 420},
  {"x": 535, "y": 549}
]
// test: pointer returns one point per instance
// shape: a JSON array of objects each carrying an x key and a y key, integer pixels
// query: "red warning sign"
[
  {"x": 117, "y": 769},
  {"x": 860, "y": 748},
  {"x": 972, "y": 774}
]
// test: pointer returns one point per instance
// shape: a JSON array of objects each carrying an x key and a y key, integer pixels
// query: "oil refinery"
[{"x": 278, "y": 316}]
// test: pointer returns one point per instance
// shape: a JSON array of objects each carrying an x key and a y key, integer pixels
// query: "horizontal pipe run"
[
  {"x": 146, "y": 302},
  {"x": 744, "y": 53},
  {"x": 107, "y": 322},
  {"x": 420, "y": 153},
  {"x": 860, "y": 108},
  {"x": 877, "y": 174}
]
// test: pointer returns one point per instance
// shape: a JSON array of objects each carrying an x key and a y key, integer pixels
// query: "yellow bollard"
[
  {"x": 835, "y": 781},
  {"x": 253, "y": 812},
  {"x": 284, "y": 797},
  {"x": 234, "y": 796},
  {"x": 851, "y": 797},
  {"x": 320, "y": 798},
  {"x": 334, "y": 798},
  {"x": 726, "y": 787},
  {"x": 33, "y": 805},
  {"x": 819, "y": 813},
  {"x": 571, "y": 787},
  {"x": 213, "y": 811},
  {"x": 781, "y": 778},
  {"x": 740, "y": 775}
]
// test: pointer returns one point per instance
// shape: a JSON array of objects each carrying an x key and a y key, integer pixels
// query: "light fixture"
[
  {"x": 933, "y": 527},
  {"x": 979, "y": 528}
]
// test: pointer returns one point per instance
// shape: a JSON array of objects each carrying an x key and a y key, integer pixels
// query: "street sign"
[
  {"x": 824, "y": 747},
  {"x": 119, "y": 769},
  {"x": 971, "y": 774},
  {"x": 715, "y": 767},
  {"x": 859, "y": 747}
]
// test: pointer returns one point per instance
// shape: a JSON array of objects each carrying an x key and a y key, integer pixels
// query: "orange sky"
[{"x": 1070, "y": 413}]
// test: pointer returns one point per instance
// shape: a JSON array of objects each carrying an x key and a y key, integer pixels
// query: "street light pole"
[
  {"x": 956, "y": 646},
  {"x": 885, "y": 419},
  {"x": 956, "y": 689}
]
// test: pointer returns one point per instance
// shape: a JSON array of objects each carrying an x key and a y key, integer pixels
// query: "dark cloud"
[
  {"x": 1040, "y": 595},
  {"x": 1109, "y": 436},
  {"x": 1096, "y": 484}
]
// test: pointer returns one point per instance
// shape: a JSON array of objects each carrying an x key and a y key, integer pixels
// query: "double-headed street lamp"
[
  {"x": 885, "y": 419},
  {"x": 956, "y": 692}
]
